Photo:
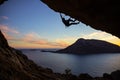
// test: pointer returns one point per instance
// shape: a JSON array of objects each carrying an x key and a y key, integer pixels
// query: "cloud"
[
  {"x": 34, "y": 38},
  {"x": 5, "y": 17},
  {"x": 6, "y": 29},
  {"x": 61, "y": 43},
  {"x": 8, "y": 37},
  {"x": 103, "y": 36},
  {"x": 41, "y": 42},
  {"x": 50, "y": 43},
  {"x": 28, "y": 37},
  {"x": 99, "y": 35},
  {"x": 31, "y": 37}
]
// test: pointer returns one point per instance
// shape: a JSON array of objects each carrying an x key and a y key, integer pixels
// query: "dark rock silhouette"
[
  {"x": 16, "y": 66},
  {"x": 85, "y": 77},
  {"x": 2, "y": 1},
  {"x": 107, "y": 76},
  {"x": 88, "y": 46},
  {"x": 3, "y": 41},
  {"x": 116, "y": 75},
  {"x": 99, "y": 14},
  {"x": 69, "y": 21}
]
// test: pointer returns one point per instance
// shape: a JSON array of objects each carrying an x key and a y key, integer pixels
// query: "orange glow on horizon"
[
  {"x": 61, "y": 44},
  {"x": 30, "y": 45}
]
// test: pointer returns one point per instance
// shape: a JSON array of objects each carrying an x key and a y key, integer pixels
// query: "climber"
[{"x": 69, "y": 21}]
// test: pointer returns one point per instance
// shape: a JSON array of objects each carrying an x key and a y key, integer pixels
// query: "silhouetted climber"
[{"x": 69, "y": 21}]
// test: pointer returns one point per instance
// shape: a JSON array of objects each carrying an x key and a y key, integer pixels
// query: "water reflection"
[{"x": 95, "y": 64}]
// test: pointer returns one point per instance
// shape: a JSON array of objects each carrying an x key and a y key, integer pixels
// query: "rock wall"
[
  {"x": 99, "y": 14},
  {"x": 2, "y": 1},
  {"x": 16, "y": 66}
]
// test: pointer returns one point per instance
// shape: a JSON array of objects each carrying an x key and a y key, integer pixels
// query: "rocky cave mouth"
[
  {"x": 99, "y": 14},
  {"x": 15, "y": 65}
]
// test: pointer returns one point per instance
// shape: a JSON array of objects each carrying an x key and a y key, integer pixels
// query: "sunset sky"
[{"x": 31, "y": 24}]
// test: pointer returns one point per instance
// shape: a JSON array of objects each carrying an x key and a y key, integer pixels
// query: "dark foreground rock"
[
  {"x": 16, "y": 66},
  {"x": 88, "y": 46},
  {"x": 99, "y": 14}
]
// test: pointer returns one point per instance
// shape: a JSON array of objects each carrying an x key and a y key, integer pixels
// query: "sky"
[{"x": 32, "y": 24}]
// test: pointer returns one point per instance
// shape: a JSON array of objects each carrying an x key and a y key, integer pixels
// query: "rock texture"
[
  {"x": 16, "y": 66},
  {"x": 88, "y": 46},
  {"x": 2, "y": 1},
  {"x": 99, "y": 14}
]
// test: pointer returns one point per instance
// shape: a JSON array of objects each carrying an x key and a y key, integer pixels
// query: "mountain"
[
  {"x": 90, "y": 46},
  {"x": 16, "y": 66}
]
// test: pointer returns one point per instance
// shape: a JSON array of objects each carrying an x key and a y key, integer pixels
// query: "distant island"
[
  {"x": 47, "y": 50},
  {"x": 90, "y": 46},
  {"x": 14, "y": 65}
]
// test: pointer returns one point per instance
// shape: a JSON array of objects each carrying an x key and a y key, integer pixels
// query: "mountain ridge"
[
  {"x": 16, "y": 66},
  {"x": 90, "y": 46}
]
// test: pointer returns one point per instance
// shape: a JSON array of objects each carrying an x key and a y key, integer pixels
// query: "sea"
[{"x": 93, "y": 64}]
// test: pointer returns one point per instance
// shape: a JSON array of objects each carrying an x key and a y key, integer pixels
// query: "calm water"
[{"x": 94, "y": 64}]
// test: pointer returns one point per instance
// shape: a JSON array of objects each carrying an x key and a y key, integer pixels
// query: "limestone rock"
[{"x": 99, "y": 14}]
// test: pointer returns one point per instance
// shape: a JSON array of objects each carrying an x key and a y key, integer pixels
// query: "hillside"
[
  {"x": 16, "y": 66},
  {"x": 90, "y": 46}
]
